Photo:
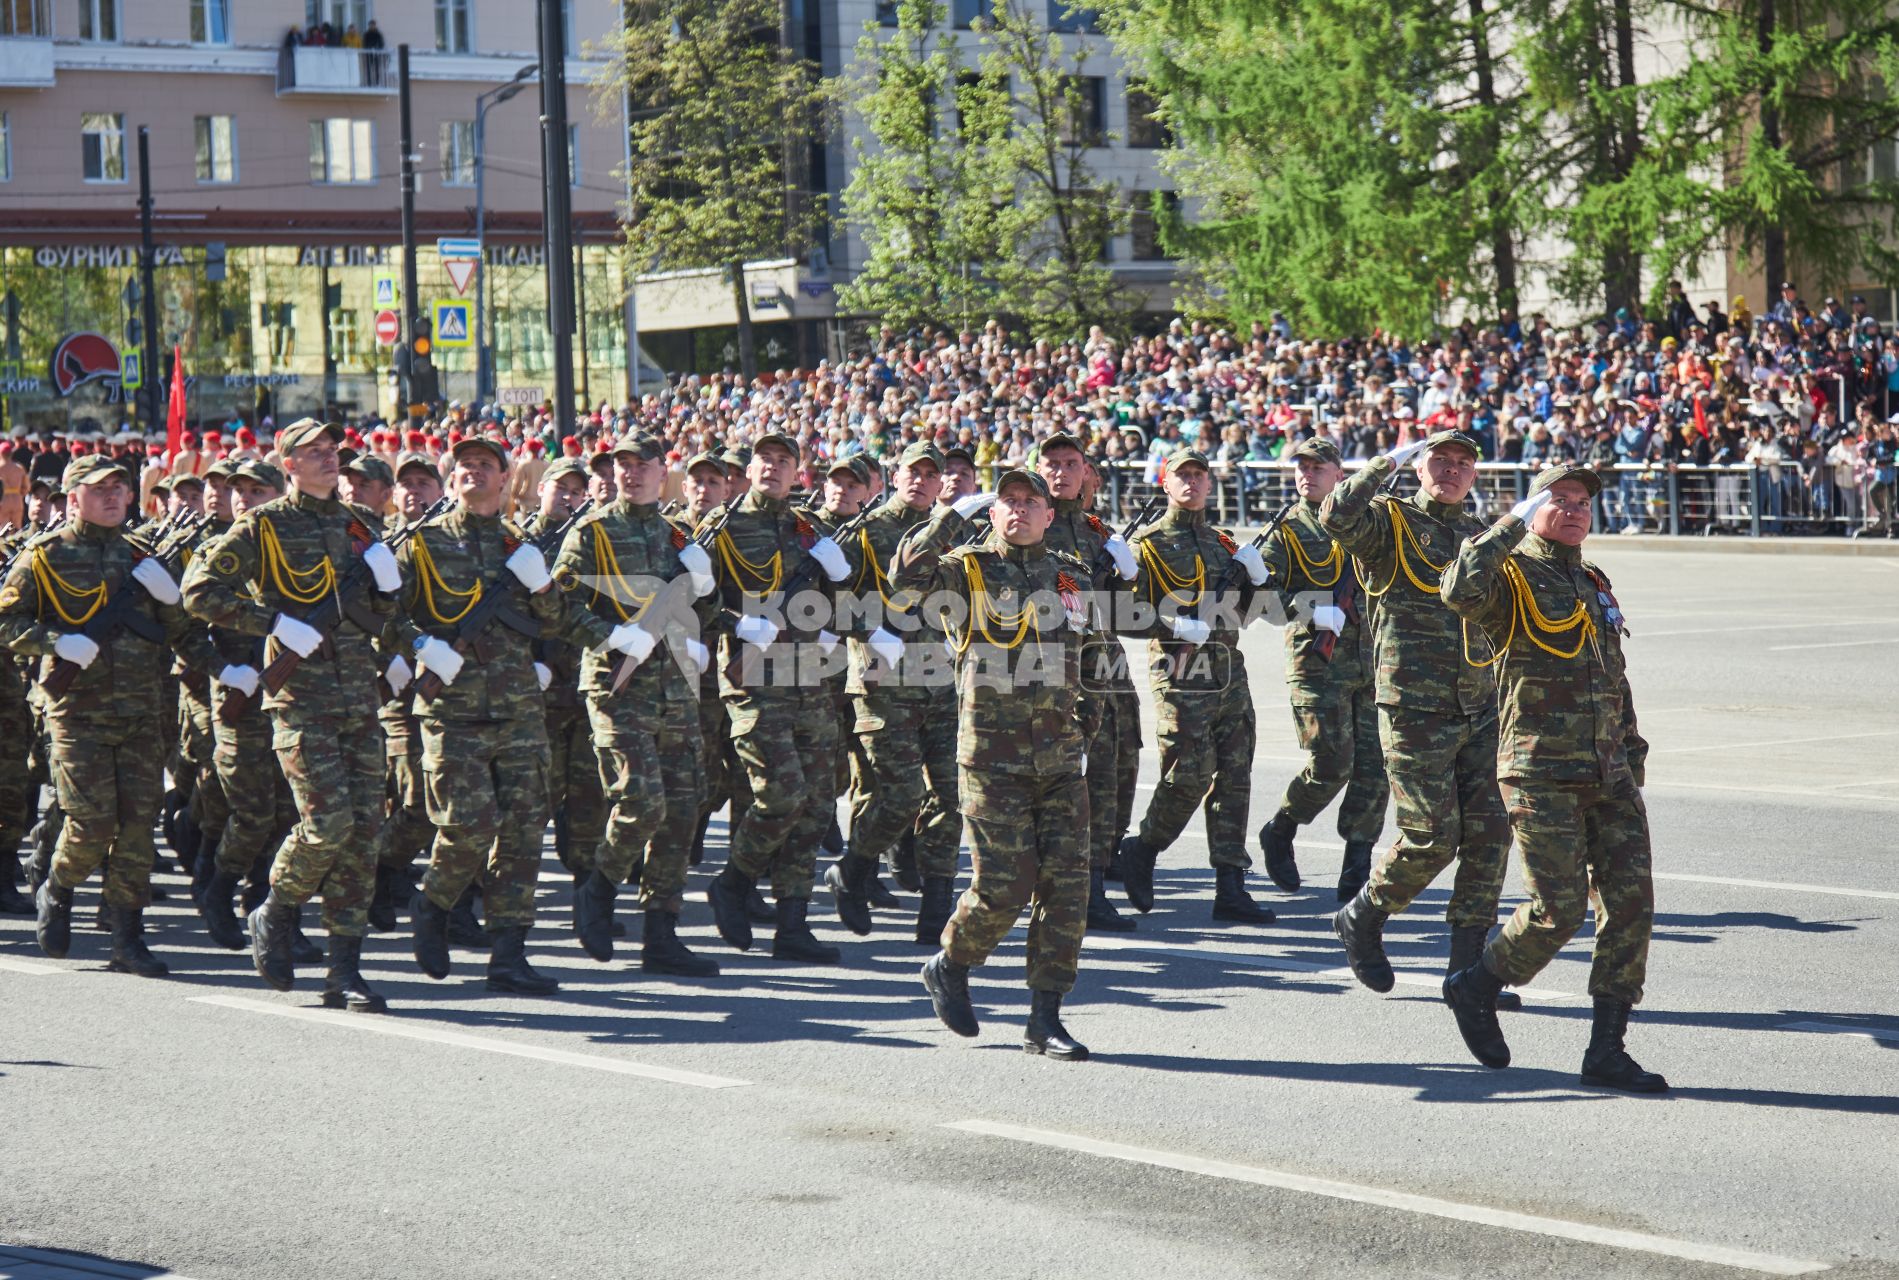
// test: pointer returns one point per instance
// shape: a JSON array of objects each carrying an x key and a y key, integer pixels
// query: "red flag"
[
  {"x": 175, "y": 413},
  {"x": 1701, "y": 416}
]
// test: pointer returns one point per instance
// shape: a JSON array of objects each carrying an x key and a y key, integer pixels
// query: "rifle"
[
  {"x": 344, "y": 602},
  {"x": 119, "y": 610},
  {"x": 1141, "y": 517},
  {"x": 493, "y": 604},
  {"x": 703, "y": 540},
  {"x": 1229, "y": 576}
]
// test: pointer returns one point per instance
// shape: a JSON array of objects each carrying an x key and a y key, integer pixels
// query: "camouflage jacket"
[
  {"x": 286, "y": 557},
  {"x": 1018, "y": 673},
  {"x": 558, "y": 656},
  {"x": 754, "y": 556},
  {"x": 1402, "y": 548},
  {"x": 617, "y": 565},
  {"x": 1182, "y": 558},
  {"x": 1566, "y": 714},
  {"x": 1078, "y": 533},
  {"x": 872, "y": 551},
  {"x": 51, "y": 590},
  {"x": 396, "y": 714},
  {"x": 446, "y": 568},
  {"x": 1302, "y": 558}
]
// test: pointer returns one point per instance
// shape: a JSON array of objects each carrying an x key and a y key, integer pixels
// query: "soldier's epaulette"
[
  {"x": 368, "y": 517},
  {"x": 591, "y": 518},
  {"x": 45, "y": 536},
  {"x": 963, "y": 551},
  {"x": 509, "y": 529},
  {"x": 138, "y": 542},
  {"x": 1072, "y": 563},
  {"x": 681, "y": 524}
]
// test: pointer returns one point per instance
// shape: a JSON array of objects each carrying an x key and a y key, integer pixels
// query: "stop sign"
[{"x": 388, "y": 328}]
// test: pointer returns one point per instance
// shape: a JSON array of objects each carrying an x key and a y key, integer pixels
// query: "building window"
[
  {"x": 886, "y": 13},
  {"x": 1084, "y": 119},
  {"x": 1144, "y": 228},
  {"x": 573, "y": 155},
  {"x": 1063, "y": 16},
  {"x": 6, "y": 149},
  {"x": 342, "y": 151},
  {"x": 217, "y": 148},
  {"x": 567, "y": 28},
  {"x": 211, "y": 21},
  {"x": 963, "y": 13},
  {"x": 452, "y": 26},
  {"x": 342, "y": 14},
  {"x": 458, "y": 153},
  {"x": 1145, "y": 129},
  {"x": 102, "y": 146},
  {"x": 25, "y": 18},
  {"x": 343, "y": 336},
  {"x": 99, "y": 20}
]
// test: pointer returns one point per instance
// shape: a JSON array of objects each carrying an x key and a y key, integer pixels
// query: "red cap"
[
  {"x": 246, "y": 437},
  {"x": 534, "y": 444}
]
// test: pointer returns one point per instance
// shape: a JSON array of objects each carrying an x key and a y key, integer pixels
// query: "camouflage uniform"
[
  {"x": 575, "y": 792},
  {"x": 405, "y": 829},
  {"x": 259, "y": 807}
]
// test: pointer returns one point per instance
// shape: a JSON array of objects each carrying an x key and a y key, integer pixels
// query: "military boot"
[
  {"x": 1472, "y": 995},
  {"x": 1355, "y": 871},
  {"x": 1045, "y": 1033},
  {"x": 933, "y": 913},
  {"x": 464, "y": 930},
  {"x": 1467, "y": 944},
  {"x": 1606, "y": 1062},
  {"x": 698, "y": 854},
  {"x": 661, "y": 951},
  {"x": 727, "y": 895},
  {"x": 202, "y": 874},
  {"x": 878, "y": 894},
  {"x": 54, "y": 927},
  {"x": 1113, "y": 872},
  {"x": 846, "y": 879},
  {"x": 344, "y": 987},
  {"x": 1102, "y": 917},
  {"x": 382, "y": 904},
  {"x": 593, "y": 915},
  {"x": 794, "y": 939},
  {"x": 508, "y": 967},
  {"x": 833, "y": 842},
  {"x": 219, "y": 920},
  {"x": 271, "y": 924},
  {"x": 757, "y": 909},
  {"x": 1361, "y": 927},
  {"x": 302, "y": 950},
  {"x": 1275, "y": 840},
  {"x": 1232, "y": 902},
  {"x": 12, "y": 901},
  {"x": 948, "y": 985},
  {"x": 430, "y": 926},
  {"x": 129, "y": 953},
  {"x": 903, "y": 862},
  {"x": 1137, "y": 873}
]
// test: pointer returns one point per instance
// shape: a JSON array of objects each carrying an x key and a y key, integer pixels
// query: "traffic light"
[{"x": 424, "y": 386}]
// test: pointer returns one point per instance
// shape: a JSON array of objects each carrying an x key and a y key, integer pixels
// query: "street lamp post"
[{"x": 484, "y": 392}]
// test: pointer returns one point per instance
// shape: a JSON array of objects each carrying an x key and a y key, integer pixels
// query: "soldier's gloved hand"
[
  {"x": 756, "y": 630},
  {"x": 296, "y": 635},
  {"x": 827, "y": 641},
  {"x": 831, "y": 559},
  {"x": 529, "y": 568},
  {"x": 543, "y": 675},
  {"x": 1122, "y": 555},
  {"x": 1530, "y": 505},
  {"x": 635, "y": 641},
  {"x": 1254, "y": 563},
  {"x": 76, "y": 649},
  {"x": 151, "y": 575},
  {"x": 241, "y": 677},
  {"x": 1398, "y": 455},
  {"x": 699, "y": 655},
  {"x": 398, "y": 674},
  {"x": 949, "y": 650},
  {"x": 699, "y": 565},
  {"x": 973, "y": 505},
  {"x": 887, "y": 645},
  {"x": 382, "y": 567},
  {"x": 438, "y": 656},
  {"x": 1329, "y": 617},
  {"x": 1192, "y": 630}
]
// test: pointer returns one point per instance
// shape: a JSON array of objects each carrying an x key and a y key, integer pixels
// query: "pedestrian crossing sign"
[
  {"x": 454, "y": 326},
  {"x": 387, "y": 292}
]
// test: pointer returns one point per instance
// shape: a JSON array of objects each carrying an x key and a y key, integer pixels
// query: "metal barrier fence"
[{"x": 1746, "y": 499}]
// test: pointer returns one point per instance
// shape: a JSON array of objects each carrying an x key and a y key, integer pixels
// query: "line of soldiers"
[{"x": 347, "y": 691}]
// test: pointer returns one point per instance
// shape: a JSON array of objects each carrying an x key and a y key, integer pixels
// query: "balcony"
[
  {"x": 335, "y": 73},
  {"x": 26, "y": 63}
]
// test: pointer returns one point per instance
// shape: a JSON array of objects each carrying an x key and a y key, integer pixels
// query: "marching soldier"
[
  {"x": 1437, "y": 703},
  {"x": 1204, "y": 708},
  {"x": 702, "y": 490},
  {"x": 1329, "y": 677},
  {"x": 1570, "y": 762},
  {"x": 1019, "y": 744}
]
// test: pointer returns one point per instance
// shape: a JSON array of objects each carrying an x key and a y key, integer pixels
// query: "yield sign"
[
  {"x": 460, "y": 272},
  {"x": 388, "y": 328}
]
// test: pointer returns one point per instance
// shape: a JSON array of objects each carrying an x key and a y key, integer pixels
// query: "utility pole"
[
  {"x": 148, "y": 301},
  {"x": 557, "y": 207},
  {"x": 405, "y": 363}
]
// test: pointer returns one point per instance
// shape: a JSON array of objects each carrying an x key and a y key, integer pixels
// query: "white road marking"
[
  {"x": 1778, "y": 884},
  {"x": 1867, "y": 782},
  {"x": 399, "y": 1027},
  {"x": 1774, "y": 742},
  {"x": 1755, "y": 791},
  {"x": 1831, "y": 644},
  {"x": 1482, "y": 1215},
  {"x": 29, "y": 966},
  {"x": 1890, "y": 1034},
  {"x": 1770, "y": 626}
]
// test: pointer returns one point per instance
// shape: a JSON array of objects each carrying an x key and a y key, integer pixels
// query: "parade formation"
[{"x": 321, "y": 672}]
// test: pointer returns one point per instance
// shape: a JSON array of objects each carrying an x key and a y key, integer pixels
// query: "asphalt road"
[{"x": 1249, "y": 1111}]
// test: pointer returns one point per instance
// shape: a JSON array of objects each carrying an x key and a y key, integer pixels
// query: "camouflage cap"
[
  {"x": 495, "y": 447},
  {"x": 1020, "y": 475},
  {"x": 1462, "y": 439},
  {"x": 640, "y": 446},
  {"x": 856, "y": 465},
  {"x": 162, "y": 485},
  {"x": 1060, "y": 440},
  {"x": 185, "y": 479},
  {"x": 412, "y": 459},
  {"x": 52, "y": 487},
  {"x": 736, "y": 457},
  {"x": 96, "y": 468},
  {"x": 561, "y": 468},
  {"x": 370, "y": 467},
  {"x": 920, "y": 451},
  {"x": 304, "y": 430},
  {"x": 600, "y": 462},
  {"x": 1587, "y": 476},
  {"x": 778, "y": 438},
  {"x": 221, "y": 469},
  {"x": 1317, "y": 449},
  {"x": 259, "y": 471},
  {"x": 1188, "y": 458},
  {"x": 704, "y": 459},
  {"x": 957, "y": 449}
]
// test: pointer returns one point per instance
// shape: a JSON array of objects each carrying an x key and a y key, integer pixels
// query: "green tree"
[{"x": 721, "y": 111}]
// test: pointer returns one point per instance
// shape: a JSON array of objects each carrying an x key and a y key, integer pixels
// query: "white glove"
[
  {"x": 827, "y": 641},
  {"x": 77, "y": 649},
  {"x": 635, "y": 641},
  {"x": 1192, "y": 630},
  {"x": 296, "y": 635},
  {"x": 241, "y": 677},
  {"x": 1255, "y": 564},
  {"x": 1122, "y": 555},
  {"x": 887, "y": 645},
  {"x": 1530, "y": 505},
  {"x": 699, "y": 655},
  {"x": 529, "y": 567},
  {"x": 151, "y": 575},
  {"x": 756, "y": 630},
  {"x": 382, "y": 566},
  {"x": 699, "y": 565},
  {"x": 399, "y": 674},
  {"x": 949, "y": 650},
  {"x": 1401, "y": 454},
  {"x": 830, "y": 558},
  {"x": 543, "y": 675},
  {"x": 439, "y": 657},
  {"x": 974, "y": 505},
  {"x": 1329, "y": 617}
]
